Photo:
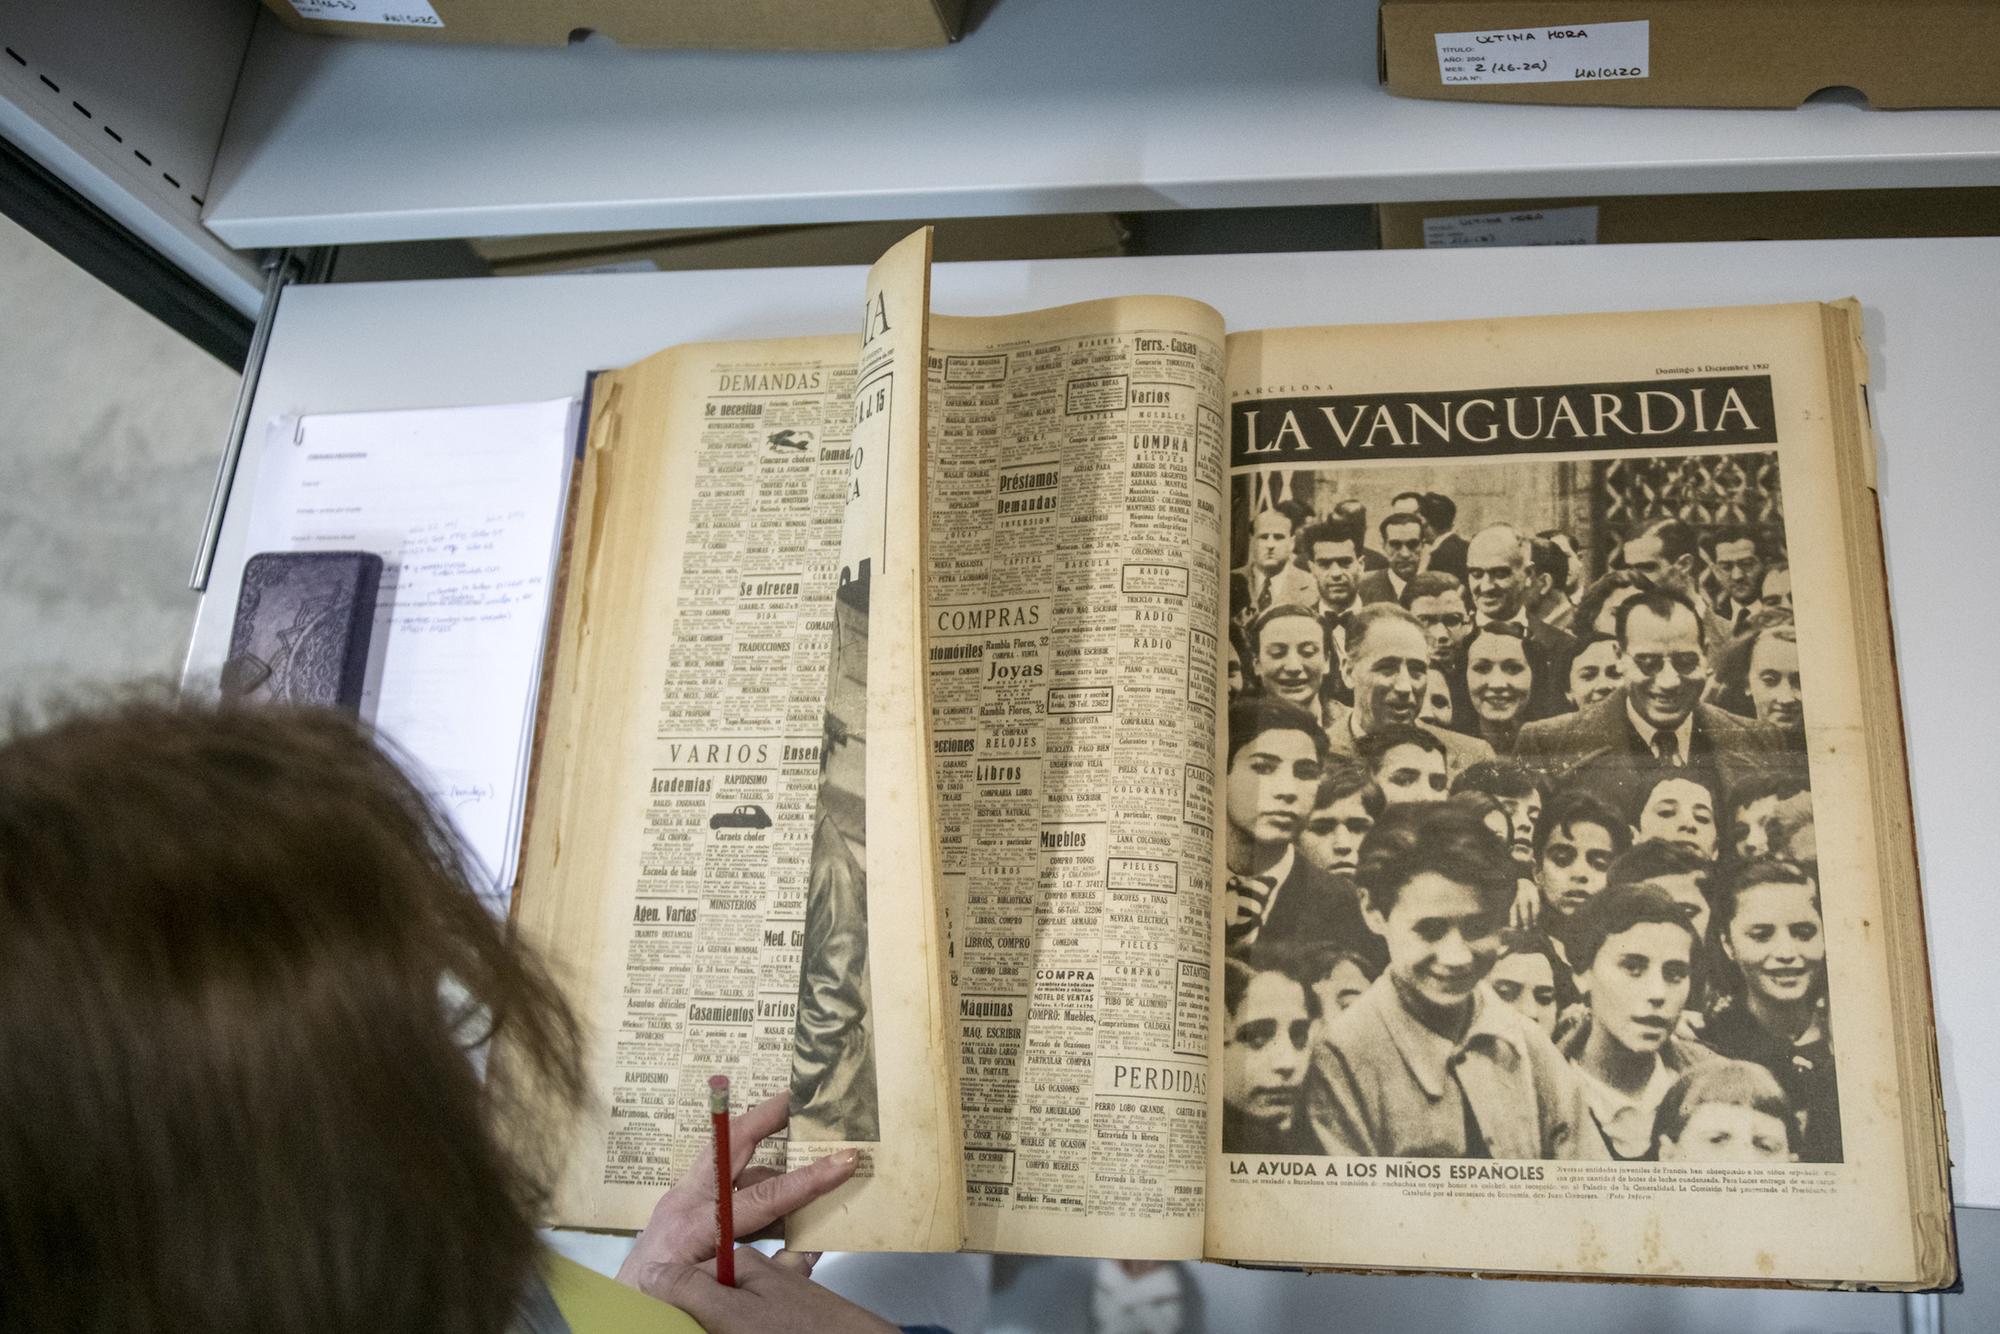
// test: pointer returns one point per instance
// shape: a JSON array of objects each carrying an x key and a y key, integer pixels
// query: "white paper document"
[
  {"x": 1564, "y": 53},
  {"x": 1575, "y": 225},
  {"x": 464, "y": 506}
]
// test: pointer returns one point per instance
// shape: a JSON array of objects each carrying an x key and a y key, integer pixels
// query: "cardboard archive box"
[
  {"x": 1031, "y": 236},
  {"x": 1693, "y": 53},
  {"x": 1801, "y": 215},
  {"x": 750, "y": 25}
]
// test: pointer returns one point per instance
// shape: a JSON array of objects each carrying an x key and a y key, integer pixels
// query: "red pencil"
[{"x": 725, "y": 1186}]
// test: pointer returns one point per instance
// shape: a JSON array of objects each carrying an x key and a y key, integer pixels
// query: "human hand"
[
  {"x": 769, "y": 1298},
  {"x": 1527, "y": 904},
  {"x": 682, "y": 1229}
]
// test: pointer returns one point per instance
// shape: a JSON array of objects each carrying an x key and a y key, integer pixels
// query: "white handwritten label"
[
  {"x": 1541, "y": 226},
  {"x": 1570, "y": 53},
  {"x": 398, "y": 13}
]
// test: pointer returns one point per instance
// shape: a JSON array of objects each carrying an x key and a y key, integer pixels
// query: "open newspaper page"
[
  {"x": 1561, "y": 932},
  {"x": 666, "y": 862},
  {"x": 1076, "y": 520},
  {"x": 872, "y": 1065}
]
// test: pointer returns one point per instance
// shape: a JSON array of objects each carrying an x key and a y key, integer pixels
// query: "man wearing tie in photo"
[{"x": 1656, "y": 720}]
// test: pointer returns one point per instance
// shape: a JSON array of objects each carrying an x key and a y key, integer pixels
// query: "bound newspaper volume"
[{"x": 1422, "y": 797}]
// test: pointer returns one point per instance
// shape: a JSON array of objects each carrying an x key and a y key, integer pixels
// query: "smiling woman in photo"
[
  {"x": 1770, "y": 929},
  {"x": 1499, "y": 683}
]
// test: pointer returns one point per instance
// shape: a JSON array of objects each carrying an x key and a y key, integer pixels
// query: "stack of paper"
[{"x": 464, "y": 505}]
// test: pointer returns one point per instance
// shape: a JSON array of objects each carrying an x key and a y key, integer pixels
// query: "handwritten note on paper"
[
  {"x": 463, "y": 505},
  {"x": 1566, "y": 53},
  {"x": 1575, "y": 225}
]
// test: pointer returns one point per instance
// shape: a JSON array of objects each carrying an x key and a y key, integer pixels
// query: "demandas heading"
[{"x": 1707, "y": 410}]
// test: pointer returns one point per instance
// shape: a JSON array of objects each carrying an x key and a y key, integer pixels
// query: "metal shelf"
[
  {"x": 124, "y": 102},
  {"x": 1048, "y": 105}
]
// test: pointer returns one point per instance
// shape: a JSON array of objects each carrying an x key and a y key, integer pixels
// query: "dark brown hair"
[{"x": 242, "y": 978}]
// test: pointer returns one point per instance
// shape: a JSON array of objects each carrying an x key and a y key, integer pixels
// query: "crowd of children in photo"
[{"x": 1519, "y": 867}]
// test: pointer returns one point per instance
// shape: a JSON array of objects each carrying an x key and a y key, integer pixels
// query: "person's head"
[
  {"x": 1498, "y": 675},
  {"x": 1489, "y": 810},
  {"x": 1666, "y": 552},
  {"x": 1438, "y": 602},
  {"x": 1524, "y": 978},
  {"x": 1793, "y": 834},
  {"x": 1403, "y": 543},
  {"x": 1632, "y": 953},
  {"x": 1330, "y": 549},
  {"x": 1276, "y": 752},
  {"x": 1239, "y": 661},
  {"x": 1412, "y": 502},
  {"x": 1496, "y": 571},
  {"x": 1682, "y": 876},
  {"x": 1292, "y": 650},
  {"x": 1548, "y": 566},
  {"x": 1346, "y": 807},
  {"x": 1436, "y": 708},
  {"x": 1577, "y": 840},
  {"x": 1572, "y": 558},
  {"x": 1773, "y": 680},
  {"x": 1407, "y": 763},
  {"x": 1726, "y": 1111},
  {"x": 1754, "y": 812},
  {"x": 241, "y": 971},
  {"x": 1775, "y": 590},
  {"x": 1268, "y": 1035},
  {"x": 1739, "y": 565},
  {"x": 1271, "y": 538},
  {"x": 1665, "y": 657},
  {"x": 1385, "y": 667},
  {"x": 1596, "y": 671},
  {"x": 1436, "y": 885},
  {"x": 1338, "y": 977},
  {"x": 1439, "y": 512},
  {"x": 1354, "y": 514},
  {"x": 1770, "y": 928},
  {"x": 1520, "y": 792},
  {"x": 1678, "y": 808},
  {"x": 1597, "y": 609}
]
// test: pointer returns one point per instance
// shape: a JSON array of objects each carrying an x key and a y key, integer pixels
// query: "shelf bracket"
[{"x": 281, "y": 268}]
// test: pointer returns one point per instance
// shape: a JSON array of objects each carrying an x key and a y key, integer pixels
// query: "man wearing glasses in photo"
[{"x": 1655, "y": 721}]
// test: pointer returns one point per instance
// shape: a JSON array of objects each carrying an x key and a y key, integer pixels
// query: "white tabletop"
[
  {"x": 1046, "y": 106},
  {"x": 1933, "y": 332}
]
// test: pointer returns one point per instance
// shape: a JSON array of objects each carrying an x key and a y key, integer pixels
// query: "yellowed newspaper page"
[
  {"x": 873, "y": 1062},
  {"x": 1076, "y": 502},
  {"x": 667, "y": 849},
  {"x": 1570, "y": 922}
]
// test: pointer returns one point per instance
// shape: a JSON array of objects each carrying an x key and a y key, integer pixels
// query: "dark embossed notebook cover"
[{"x": 302, "y": 628}]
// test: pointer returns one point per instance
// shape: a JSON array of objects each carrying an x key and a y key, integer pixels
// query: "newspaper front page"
[
  {"x": 1076, "y": 520},
  {"x": 1556, "y": 931}
]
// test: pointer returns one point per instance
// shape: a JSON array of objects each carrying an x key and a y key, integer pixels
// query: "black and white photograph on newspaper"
[
  {"x": 834, "y": 1096},
  {"x": 1519, "y": 829}
]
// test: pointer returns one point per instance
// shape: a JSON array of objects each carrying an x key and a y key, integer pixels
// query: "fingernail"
[{"x": 848, "y": 1158}]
